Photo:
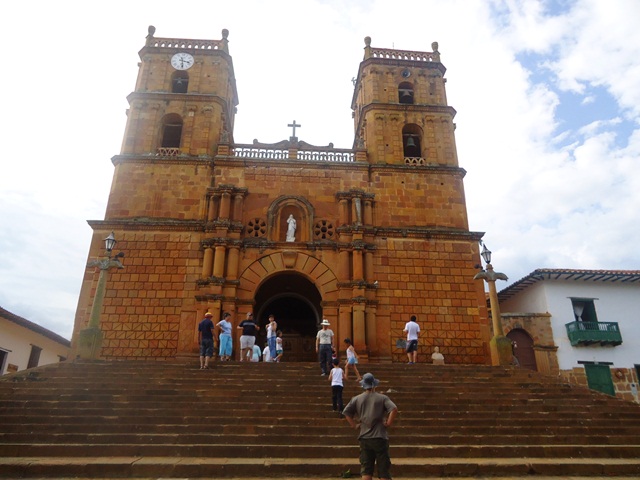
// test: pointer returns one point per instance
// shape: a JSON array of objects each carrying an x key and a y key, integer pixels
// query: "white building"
[
  {"x": 24, "y": 344},
  {"x": 580, "y": 324}
]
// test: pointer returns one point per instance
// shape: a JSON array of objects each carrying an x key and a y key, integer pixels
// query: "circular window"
[
  {"x": 256, "y": 227},
  {"x": 323, "y": 230}
]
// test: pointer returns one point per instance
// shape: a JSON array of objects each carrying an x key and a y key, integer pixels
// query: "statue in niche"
[{"x": 291, "y": 229}]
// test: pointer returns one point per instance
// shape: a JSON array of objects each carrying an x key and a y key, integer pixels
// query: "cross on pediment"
[{"x": 293, "y": 125}]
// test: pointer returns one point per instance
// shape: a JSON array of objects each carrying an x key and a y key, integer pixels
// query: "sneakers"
[{"x": 323, "y": 374}]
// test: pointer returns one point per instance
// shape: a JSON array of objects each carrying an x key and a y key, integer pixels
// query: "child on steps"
[{"x": 352, "y": 359}]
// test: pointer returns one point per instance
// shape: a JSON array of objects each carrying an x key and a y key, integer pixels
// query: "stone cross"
[{"x": 293, "y": 125}]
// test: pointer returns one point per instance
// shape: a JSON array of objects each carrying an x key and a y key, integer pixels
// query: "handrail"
[{"x": 593, "y": 326}]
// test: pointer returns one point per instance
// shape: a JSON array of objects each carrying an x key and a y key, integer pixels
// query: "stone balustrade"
[
  {"x": 405, "y": 55},
  {"x": 315, "y": 155},
  {"x": 186, "y": 44}
]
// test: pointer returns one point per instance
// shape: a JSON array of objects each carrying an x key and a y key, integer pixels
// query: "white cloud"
[{"x": 542, "y": 203}]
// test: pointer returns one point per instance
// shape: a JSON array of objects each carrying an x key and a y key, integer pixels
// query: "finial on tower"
[
  {"x": 151, "y": 30},
  {"x": 367, "y": 47},
  {"x": 225, "y": 40},
  {"x": 434, "y": 47}
]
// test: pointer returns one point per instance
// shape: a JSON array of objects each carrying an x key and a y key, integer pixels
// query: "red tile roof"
[{"x": 540, "y": 274}]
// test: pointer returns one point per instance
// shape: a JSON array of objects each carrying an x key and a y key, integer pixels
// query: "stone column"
[
  {"x": 207, "y": 263},
  {"x": 218, "y": 261},
  {"x": 355, "y": 212},
  {"x": 211, "y": 213},
  {"x": 343, "y": 211},
  {"x": 343, "y": 266},
  {"x": 357, "y": 265},
  {"x": 368, "y": 212},
  {"x": 215, "y": 308},
  {"x": 368, "y": 266},
  {"x": 233, "y": 263},
  {"x": 225, "y": 205},
  {"x": 359, "y": 330},
  {"x": 357, "y": 204},
  {"x": 238, "y": 199},
  {"x": 370, "y": 318},
  {"x": 345, "y": 330}
]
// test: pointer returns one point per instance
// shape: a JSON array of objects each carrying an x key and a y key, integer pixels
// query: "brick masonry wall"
[
  {"x": 432, "y": 279},
  {"x": 144, "y": 301}
]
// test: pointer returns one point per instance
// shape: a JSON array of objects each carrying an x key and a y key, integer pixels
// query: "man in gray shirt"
[{"x": 375, "y": 412}]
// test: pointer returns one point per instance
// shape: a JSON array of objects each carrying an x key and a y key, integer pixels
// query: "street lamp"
[
  {"x": 500, "y": 345},
  {"x": 90, "y": 339}
]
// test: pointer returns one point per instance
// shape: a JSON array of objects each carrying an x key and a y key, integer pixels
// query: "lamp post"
[
  {"x": 500, "y": 345},
  {"x": 90, "y": 339}
]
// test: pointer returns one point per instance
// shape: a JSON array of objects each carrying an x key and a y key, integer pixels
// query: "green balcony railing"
[{"x": 588, "y": 333}]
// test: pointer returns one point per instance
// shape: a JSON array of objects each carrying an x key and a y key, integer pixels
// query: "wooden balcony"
[{"x": 589, "y": 333}]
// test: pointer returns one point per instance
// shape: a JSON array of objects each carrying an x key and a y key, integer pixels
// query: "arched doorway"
[
  {"x": 523, "y": 348},
  {"x": 295, "y": 303}
]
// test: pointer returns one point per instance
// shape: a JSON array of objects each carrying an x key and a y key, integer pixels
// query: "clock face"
[
  {"x": 406, "y": 73},
  {"x": 181, "y": 61}
]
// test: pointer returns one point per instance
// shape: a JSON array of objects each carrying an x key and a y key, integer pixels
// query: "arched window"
[
  {"x": 411, "y": 141},
  {"x": 179, "y": 82},
  {"x": 405, "y": 93},
  {"x": 171, "y": 131}
]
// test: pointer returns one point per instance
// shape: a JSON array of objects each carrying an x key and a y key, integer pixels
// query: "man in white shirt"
[
  {"x": 412, "y": 330},
  {"x": 324, "y": 347}
]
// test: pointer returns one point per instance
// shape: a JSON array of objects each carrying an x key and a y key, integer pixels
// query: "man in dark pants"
[
  {"x": 324, "y": 347},
  {"x": 375, "y": 412},
  {"x": 205, "y": 340}
]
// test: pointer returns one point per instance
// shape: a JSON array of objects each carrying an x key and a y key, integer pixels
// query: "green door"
[{"x": 599, "y": 378}]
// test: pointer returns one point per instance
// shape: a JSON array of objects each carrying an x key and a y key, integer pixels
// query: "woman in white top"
[{"x": 272, "y": 327}]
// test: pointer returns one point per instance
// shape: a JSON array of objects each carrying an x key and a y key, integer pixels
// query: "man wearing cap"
[
  {"x": 375, "y": 412},
  {"x": 205, "y": 340},
  {"x": 324, "y": 347}
]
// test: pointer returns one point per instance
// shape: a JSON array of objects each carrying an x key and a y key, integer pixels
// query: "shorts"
[
  {"x": 278, "y": 352},
  {"x": 206, "y": 347},
  {"x": 372, "y": 451},
  {"x": 412, "y": 346},
  {"x": 353, "y": 361},
  {"x": 247, "y": 341}
]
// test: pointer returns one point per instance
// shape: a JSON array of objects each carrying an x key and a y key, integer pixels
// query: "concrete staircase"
[{"x": 173, "y": 420}]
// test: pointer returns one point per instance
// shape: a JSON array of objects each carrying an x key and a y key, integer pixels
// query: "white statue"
[
  {"x": 291, "y": 229},
  {"x": 437, "y": 357}
]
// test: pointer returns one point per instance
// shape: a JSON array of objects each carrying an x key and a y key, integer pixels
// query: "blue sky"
[{"x": 548, "y": 122}]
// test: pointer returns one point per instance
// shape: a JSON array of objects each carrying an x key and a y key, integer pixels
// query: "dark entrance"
[
  {"x": 295, "y": 302},
  {"x": 523, "y": 348}
]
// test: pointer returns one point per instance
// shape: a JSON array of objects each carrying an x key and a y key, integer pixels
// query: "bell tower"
[
  {"x": 184, "y": 100},
  {"x": 400, "y": 108}
]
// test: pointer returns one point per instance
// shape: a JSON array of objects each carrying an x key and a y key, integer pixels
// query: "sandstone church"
[{"x": 363, "y": 236}]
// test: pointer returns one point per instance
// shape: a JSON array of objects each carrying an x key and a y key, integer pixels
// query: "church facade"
[{"x": 364, "y": 237}]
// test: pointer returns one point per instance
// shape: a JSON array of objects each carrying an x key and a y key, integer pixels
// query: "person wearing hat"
[
  {"x": 375, "y": 413},
  {"x": 324, "y": 347},
  {"x": 205, "y": 340}
]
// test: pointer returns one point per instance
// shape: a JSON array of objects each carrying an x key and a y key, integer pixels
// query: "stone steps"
[
  {"x": 256, "y": 447},
  {"x": 329, "y": 466},
  {"x": 170, "y": 420}
]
